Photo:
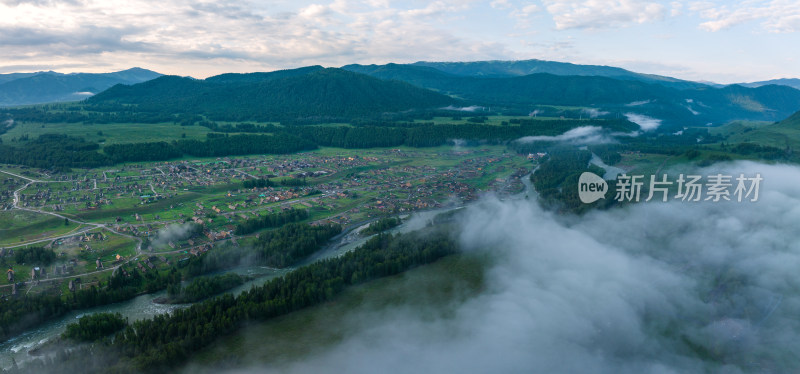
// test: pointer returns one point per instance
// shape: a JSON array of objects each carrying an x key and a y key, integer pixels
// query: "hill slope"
[
  {"x": 783, "y": 134},
  {"x": 307, "y": 93},
  {"x": 47, "y": 87}
]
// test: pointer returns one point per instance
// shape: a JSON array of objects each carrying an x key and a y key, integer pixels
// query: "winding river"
[{"x": 142, "y": 306}]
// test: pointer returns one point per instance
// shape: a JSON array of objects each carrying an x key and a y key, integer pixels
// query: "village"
[{"x": 125, "y": 208}]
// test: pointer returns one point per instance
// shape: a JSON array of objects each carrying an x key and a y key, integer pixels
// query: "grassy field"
[
  {"x": 20, "y": 227},
  {"x": 130, "y": 207},
  {"x": 111, "y": 133},
  {"x": 23, "y": 171},
  {"x": 116, "y": 133},
  {"x": 643, "y": 164},
  {"x": 779, "y": 135},
  {"x": 435, "y": 290},
  {"x": 106, "y": 250}
]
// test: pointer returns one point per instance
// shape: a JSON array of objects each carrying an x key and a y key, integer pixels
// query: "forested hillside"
[{"x": 288, "y": 95}]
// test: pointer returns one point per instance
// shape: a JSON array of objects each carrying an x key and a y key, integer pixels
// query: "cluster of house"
[
  {"x": 40, "y": 272},
  {"x": 536, "y": 156},
  {"x": 7, "y": 188},
  {"x": 402, "y": 188},
  {"x": 198, "y": 250},
  {"x": 156, "y": 181},
  {"x": 145, "y": 265}
]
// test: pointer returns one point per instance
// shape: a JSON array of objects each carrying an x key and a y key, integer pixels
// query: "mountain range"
[
  {"x": 501, "y": 69},
  {"x": 691, "y": 105},
  {"x": 49, "y": 86},
  {"x": 315, "y": 93},
  {"x": 505, "y": 69},
  {"x": 790, "y": 82}
]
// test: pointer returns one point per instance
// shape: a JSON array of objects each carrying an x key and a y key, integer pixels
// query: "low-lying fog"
[
  {"x": 645, "y": 123},
  {"x": 678, "y": 287}
]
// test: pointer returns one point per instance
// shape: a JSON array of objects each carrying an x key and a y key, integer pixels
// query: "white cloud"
[
  {"x": 578, "y": 135},
  {"x": 470, "y": 108},
  {"x": 594, "y": 112},
  {"x": 435, "y": 8},
  {"x": 778, "y": 16},
  {"x": 314, "y": 10},
  {"x": 599, "y": 14},
  {"x": 501, "y": 4},
  {"x": 206, "y": 37},
  {"x": 676, "y": 8},
  {"x": 523, "y": 14},
  {"x": 645, "y": 122}
]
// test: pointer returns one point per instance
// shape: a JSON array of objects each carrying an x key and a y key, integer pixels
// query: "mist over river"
[{"x": 143, "y": 306}]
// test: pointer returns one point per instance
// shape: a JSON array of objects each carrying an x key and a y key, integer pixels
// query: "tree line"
[
  {"x": 292, "y": 243},
  {"x": 556, "y": 179},
  {"x": 381, "y": 225},
  {"x": 94, "y": 327},
  {"x": 294, "y": 238},
  {"x": 202, "y": 288},
  {"x": 280, "y": 143},
  {"x": 34, "y": 256},
  {"x": 431, "y": 135},
  {"x": 18, "y": 314},
  {"x": 279, "y": 248},
  {"x": 161, "y": 343},
  {"x": 266, "y": 182},
  {"x": 54, "y": 151},
  {"x": 61, "y": 152},
  {"x": 271, "y": 220}
]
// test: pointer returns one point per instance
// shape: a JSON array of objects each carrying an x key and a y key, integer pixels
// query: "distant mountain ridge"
[
  {"x": 505, "y": 69},
  {"x": 49, "y": 86},
  {"x": 789, "y": 82},
  {"x": 13, "y": 76}
]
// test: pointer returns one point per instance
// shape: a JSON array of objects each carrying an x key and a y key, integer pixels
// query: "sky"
[{"x": 720, "y": 41}]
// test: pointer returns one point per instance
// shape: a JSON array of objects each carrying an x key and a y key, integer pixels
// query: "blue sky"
[{"x": 721, "y": 41}]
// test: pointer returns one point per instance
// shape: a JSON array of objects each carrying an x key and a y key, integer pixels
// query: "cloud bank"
[
  {"x": 203, "y": 37},
  {"x": 645, "y": 123},
  {"x": 214, "y": 35},
  {"x": 173, "y": 233},
  {"x": 775, "y": 16},
  {"x": 651, "y": 288},
  {"x": 578, "y": 135},
  {"x": 576, "y": 14}
]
